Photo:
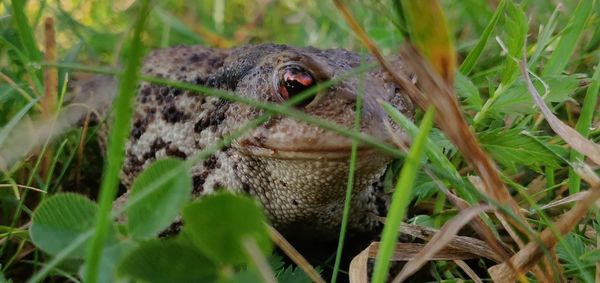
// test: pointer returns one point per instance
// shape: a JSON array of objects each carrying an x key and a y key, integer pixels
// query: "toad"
[{"x": 297, "y": 171}]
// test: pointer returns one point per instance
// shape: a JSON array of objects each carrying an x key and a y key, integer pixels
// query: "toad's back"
[{"x": 297, "y": 171}]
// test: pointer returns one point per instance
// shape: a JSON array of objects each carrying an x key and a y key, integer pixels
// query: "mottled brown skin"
[{"x": 297, "y": 171}]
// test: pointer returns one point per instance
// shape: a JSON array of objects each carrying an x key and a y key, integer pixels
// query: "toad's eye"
[{"x": 294, "y": 81}]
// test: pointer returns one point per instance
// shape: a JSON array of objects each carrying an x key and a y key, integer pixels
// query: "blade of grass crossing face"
[
  {"x": 583, "y": 126},
  {"x": 270, "y": 107},
  {"x": 469, "y": 63},
  {"x": 350, "y": 182},
  {"x": 115, "y": 151},
  {"x": 568, "y": 39},
  {"x": 401, "y": 198}
]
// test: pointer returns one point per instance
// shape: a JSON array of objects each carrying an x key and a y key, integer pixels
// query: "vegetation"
[{"x": 540, "y": 181}]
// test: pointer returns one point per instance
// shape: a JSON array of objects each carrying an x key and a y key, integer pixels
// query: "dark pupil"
[{"x": 295, "y": 81}]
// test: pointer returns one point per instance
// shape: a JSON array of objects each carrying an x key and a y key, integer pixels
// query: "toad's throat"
[{"x": 300, "y": 187}]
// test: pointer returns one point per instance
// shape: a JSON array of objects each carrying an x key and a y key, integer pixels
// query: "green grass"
[{"x": 562, "y": 48}]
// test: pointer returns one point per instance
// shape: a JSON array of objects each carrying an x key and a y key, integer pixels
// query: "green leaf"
[
  {"x": 511, "y": 149},
  {"x": 592, "y": 256},
  {"x": 516, "y": 32},
  {"x": 467, "y": 65},
  {"x": 170, "y": 260},
  {"x": 466, "y": 89},
  {"x": 2, "y": 278},
  {"x": 161, "y": 205},
  {"x": 292, "y": 275},
  {"x": 59, "y": 220},
  {"x": 217, "y": 224},
  {"x": 568, "y": 39},
  {"x": 516, "y": 99},
  {"x": 111, "y": 256}
]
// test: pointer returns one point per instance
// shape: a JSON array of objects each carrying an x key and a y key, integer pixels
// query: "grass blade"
[
  {"x": 401, "y": 199},
  {"x": 350, "y": 183},
  {"x": 583, "y": 125},
  {"x": 116, "y": 146},
  {"x": 25, "y": 32},
  {"x": 469, "y": 63},
  {"x": 569, "y": 37}
]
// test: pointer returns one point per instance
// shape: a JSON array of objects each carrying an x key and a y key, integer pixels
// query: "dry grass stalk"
[
  {"x": 454, "y": 126},
  {"x": 412, "y": 251},
  {"x": 49, "y": 100},
  {"x": 440, "y": 240},
  {"x": 449, "y": 117},
  {"x": 527, "y": 257},
  {"x": 568, "y": 134},
  {"x": 467, "y": 244},
  {"x": 295, "y": 256},
  {"x": 477, "y": 223},
  {"x": 358, "y": 272},
  {"x": 465, "y": 267},
  {"x": 261, "y": 263}
]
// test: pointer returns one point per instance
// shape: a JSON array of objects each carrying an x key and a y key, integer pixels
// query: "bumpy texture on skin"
[{"x": 297, "y": 171}]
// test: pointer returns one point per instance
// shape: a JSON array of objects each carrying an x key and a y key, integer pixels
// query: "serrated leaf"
[
  {"x": 217, "y": 225},
  {"x": 170, "y": 260},
  {"x": 467, "y": 90},
  {"x": 516, "y": 31},
  {"x": 592, "y": 256},
  {"x": 59, "y": 220},
  {"x": 512, "y": 149},
  {"x": 516, "y": 99},
  {"x": 158, "y": 209},
  {"x": 292, "y": 275}
]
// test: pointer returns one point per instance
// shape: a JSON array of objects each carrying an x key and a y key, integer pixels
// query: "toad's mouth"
[{"x": 340, "y": 152}]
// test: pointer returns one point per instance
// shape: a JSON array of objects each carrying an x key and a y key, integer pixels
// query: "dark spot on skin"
[
  {"x": 139, "y": 127},
  {"x": 294, "y": 202},
  {"x": 197, "y": 57},
  {"x": 200, "y": 81},
  {"x": 172, "y": 230},
  {"x": 214, "y": 118},
  {"x": 136, "y": 133},
  {"x": 218, "y": 187},
  {"x": 157, "y": 145},
  {"x": 183, "y": 68},
  {"x": 198, "y": 181},
  {"x": 210, "y": 163},
  {"x": 146, "y": 90},
  {"x": 177, "y": 92},
  {"x": 172, "y": 115},
  {"x": 247, "y": 189},
  {"x": 215, "y": 62},
  {"x": 164, "y": 91},
  {"x": 133, "y": 164},
  {"x": 201, "y": 125},
  {"x": 218, "y": 115},
  {"x": 174, "y": 151}
]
